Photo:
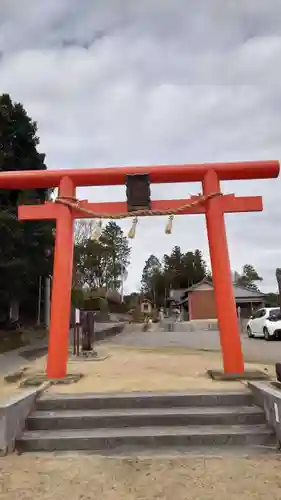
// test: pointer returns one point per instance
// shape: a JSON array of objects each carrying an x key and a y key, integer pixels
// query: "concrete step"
[
  {"x": 143, "y": 417},
  {"x": 52, "y": 402},
  {"x": 144, "y": 438}
]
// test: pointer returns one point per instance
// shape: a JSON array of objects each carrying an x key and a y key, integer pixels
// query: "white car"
[{"x": 265, "y": 323}]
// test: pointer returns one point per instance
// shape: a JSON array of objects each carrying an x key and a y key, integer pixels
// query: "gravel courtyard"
[{"x": 82, "y": 477}]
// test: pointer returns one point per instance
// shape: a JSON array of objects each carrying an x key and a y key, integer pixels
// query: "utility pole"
[
  {"x": 124, "y": 275},
  {"x": 47, "y": 302},
  {"x": 39, "y": 301},
  {"x": 278, "y": 278},
  {"x": 122, "y": 284}
]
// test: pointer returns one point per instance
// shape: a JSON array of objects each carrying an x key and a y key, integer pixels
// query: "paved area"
[
  {"x": 255, "y": 350},
  {"x": 18, "y": 358},
  {"x": 12, "y": 361}
]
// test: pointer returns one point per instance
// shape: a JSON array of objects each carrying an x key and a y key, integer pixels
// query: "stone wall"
[
  {"x": 13, "y": 414},
  {"x": 269, "y": 398}
]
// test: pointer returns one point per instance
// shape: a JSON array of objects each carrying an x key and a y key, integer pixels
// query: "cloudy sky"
[{"x": 116, "y": 82}]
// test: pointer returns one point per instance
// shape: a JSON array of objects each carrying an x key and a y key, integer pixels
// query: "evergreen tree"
[
  {"x": 153, "y": 280},
  {"x": 25, "y": 248},
  {"x": 248, "y": 278},
  {"x": 178, "y": 270},
  {"x": 151, "y": 267},
  {"x": 118, "y": 253},
  {"x": 200, "y": 268}
]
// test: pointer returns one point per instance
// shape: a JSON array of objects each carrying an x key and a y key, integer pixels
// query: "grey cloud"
[{"x": 211, "y": 25}]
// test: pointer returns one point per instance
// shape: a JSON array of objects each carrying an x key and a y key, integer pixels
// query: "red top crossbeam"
[{"x": 158, "y": 174}]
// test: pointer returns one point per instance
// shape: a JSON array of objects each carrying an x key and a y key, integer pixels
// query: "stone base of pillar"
[{"x": 230, "y": 377}]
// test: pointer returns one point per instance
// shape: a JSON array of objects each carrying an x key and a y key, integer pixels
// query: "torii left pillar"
[{"x": 62, "y": 281}]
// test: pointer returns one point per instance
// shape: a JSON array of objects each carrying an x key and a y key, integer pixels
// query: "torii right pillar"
[{"x": 225, "y": 303}]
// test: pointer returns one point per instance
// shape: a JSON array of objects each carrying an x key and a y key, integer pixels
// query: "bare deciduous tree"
[{"x": 83, "y": 230}]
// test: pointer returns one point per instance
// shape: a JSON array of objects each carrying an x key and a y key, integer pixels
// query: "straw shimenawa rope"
[{"x": 75, "y": 205}]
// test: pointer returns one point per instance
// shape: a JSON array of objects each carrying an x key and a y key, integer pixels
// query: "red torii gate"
[{"x": 210, "y": 204}]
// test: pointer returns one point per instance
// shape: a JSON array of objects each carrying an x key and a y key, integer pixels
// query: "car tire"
[
  {"x": 249, "y": 333},
  {"x": 266, "y": 334}
]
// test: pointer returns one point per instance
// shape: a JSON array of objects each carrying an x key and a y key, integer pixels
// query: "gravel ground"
[
  {"x": 132, "y": 369},
  {"x": 124, "y": 368},
  {"x": 88, "y": 477}
]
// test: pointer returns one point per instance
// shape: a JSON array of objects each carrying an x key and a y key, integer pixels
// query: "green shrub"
[{"x": 77, "y": 298}]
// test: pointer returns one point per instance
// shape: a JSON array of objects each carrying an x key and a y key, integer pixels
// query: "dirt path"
[
  {"x": 138, "y": 369},
  {"x": 132, "y": 369},
  {"x": 182, "y": 478}
]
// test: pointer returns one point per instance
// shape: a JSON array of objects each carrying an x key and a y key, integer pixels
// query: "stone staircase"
[{"x": 144, "y": 422}]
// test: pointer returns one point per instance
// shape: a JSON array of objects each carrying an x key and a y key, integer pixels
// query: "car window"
[
  {"x": 258, "y": 314},
  {"x": 263, "y": 313},
  {"x": 275, "y": 313}
]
